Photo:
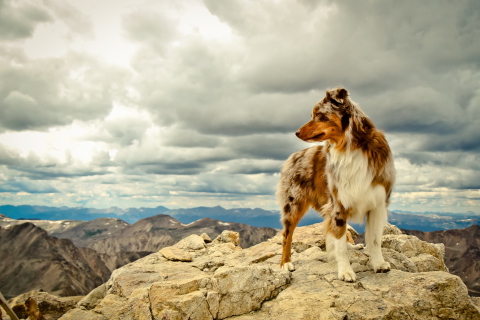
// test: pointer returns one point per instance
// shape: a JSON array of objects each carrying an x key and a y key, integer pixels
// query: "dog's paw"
[
  {"x": 347, "y": 275},
  {"x": 288, "y": 267},
  {"x": 382, "y": 267}
]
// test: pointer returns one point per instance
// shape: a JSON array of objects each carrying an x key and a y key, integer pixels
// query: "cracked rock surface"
[{"x": 223, "y": 281}]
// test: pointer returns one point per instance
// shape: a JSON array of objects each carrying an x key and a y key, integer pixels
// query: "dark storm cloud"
[
  {"x": 56, "y": 91},
  {"x": 196, "y": 86},
  {"x": 250, "y": 166},
  {"x": 177, "y": 168},
  {"x": 469, "y": 161},
  {"x": 276, "y": 147},
  {"x": 18, "y": 20},
  {"x": 28, "y": 186},
  {"x": 365, "y": 45},
  {"x": 53, "y": 171},
  {"x": 229, "y": 184},
  {"x": 461, "y": 180},
  {"x": 391, "y": 59},
  {"x": 175, "y": 137},
  {"x": 124, "y": 131},
  {"x": 465, "y": 139}
]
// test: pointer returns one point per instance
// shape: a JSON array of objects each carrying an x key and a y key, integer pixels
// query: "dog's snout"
[{"x": 297, "y": 133}]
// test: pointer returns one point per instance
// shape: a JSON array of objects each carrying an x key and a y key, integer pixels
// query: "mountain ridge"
[
  {"x": 257, "y": 217},
  {"x": 32, "y": 259}
]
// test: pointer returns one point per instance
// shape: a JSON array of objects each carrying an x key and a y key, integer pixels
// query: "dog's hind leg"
[
  {"x": 351, "y": 243},
  {"x": 292, "y": 213},
  {"x": 376, "y": 220}
]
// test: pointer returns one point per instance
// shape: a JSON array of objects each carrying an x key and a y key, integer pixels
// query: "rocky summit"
[{"x": 199, "y": 279}]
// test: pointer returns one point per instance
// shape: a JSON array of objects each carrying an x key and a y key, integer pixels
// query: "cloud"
[
  {"x": 429, "y": 169},
  {"x": 29, "y": 187},
  {"x": 56, "y": 91},
  {"x": 77, "y": 22},
  {"x": 267, "y": 146},
  {"x": 206, "y": 110},
  {"x": 18, "y": 19},
  {"x": 249, "y": 166},
  {"x": 153, "y": 26},
  {"x": 183, "y": 138}
]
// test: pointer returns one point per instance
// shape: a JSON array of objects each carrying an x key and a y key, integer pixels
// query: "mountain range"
[
  {"x": 130, "y": 215},
  {"x": 427, "y": 221},
  {"x": 433, "y": 221}
]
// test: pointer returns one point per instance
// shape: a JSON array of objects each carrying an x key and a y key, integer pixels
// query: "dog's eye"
[{"x": 321, "y": 117}]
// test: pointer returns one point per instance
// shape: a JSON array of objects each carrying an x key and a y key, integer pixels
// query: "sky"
[{"x": 192, "y": 103}]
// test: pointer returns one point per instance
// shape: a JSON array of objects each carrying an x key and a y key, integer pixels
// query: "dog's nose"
[{"x": 297, "y": 133}]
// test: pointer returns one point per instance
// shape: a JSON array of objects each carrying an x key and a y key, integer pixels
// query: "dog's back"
[
  {"x": 302, "y": 185},
  {"x": 303, "y": 181}
]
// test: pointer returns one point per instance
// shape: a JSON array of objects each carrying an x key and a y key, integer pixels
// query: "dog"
[{"x": 349, "y": 178}]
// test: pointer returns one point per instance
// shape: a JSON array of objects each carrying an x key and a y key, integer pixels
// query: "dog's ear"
[
  {"x": 342, "y": 94},
  {"x": 337, "y": 96}
]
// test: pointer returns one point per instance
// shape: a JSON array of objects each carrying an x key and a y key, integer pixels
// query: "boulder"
[
  {"x": 192, "y": 242},
  {"x": 228, "y": 236},
  {"x": 206, "y": 237},
  {"x": 91, "y": 300},
  {"x": 176, "y": 254},
  {"x": 223, "y": 281},
  {"x": 39, "y": 302}
]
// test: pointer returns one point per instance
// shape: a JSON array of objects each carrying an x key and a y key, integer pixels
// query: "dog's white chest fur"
[{"x": 350, "y": 174}]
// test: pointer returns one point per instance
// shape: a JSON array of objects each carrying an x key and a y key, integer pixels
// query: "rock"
[
  {"x": 228, "y": 236},
  {"x": 80, "y": 314},
  {"x": 391, "y": 229},
  {"x": 91, "y": 300},
  {"x": 224, "y": 281},
  {"x": 176, "y": 254},
  {"x": 220, "y": 249},
  {"x": 417, "y": 251},
  {"x": 192, "y": 242},
  {"x": 249, "y": 285},
  {"x": 353, "y": 233},
  {"x": 476, "y": 302},
  {"x": 394, "y": 295},
  {"x": 206, "y": 238},
  {"x": 178, "y": 290},
  {"x": 49, "y": 306},
  {"x": 32, "y": 310}
]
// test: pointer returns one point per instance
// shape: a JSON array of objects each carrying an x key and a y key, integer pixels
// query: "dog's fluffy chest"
[{"x": 350, "y": 178}]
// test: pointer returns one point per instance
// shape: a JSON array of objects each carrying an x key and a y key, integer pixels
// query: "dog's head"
[{"x": 330, "y": 118}]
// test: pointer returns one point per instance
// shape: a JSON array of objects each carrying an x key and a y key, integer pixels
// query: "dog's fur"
[{"x": 350, "y": 177}]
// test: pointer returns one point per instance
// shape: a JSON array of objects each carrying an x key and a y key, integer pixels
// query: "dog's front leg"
[
  {"x": 337, "y": 242},
  {"x": 339, "y": 247},
  {"x": 376, "y": 220}
]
